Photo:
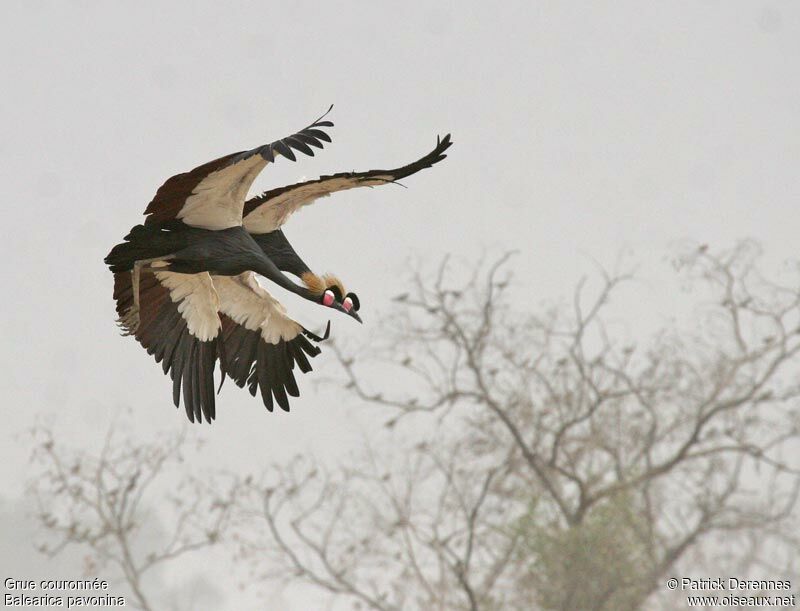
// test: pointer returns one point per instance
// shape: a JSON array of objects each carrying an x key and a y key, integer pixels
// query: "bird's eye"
[
  {"x": 354, "y": 302},
  {"x": 328, "y": 298}
]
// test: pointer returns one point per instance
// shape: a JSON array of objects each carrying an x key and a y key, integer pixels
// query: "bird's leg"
[{"x": 129, "y": 322}]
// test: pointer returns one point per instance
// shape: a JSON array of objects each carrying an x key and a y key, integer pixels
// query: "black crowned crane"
[
  {"x": 201, "y": 300},
  {"x": 194, "y": 229}
]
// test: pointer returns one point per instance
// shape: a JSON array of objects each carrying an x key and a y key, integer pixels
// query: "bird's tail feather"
[{"x": 143, "y": 242}]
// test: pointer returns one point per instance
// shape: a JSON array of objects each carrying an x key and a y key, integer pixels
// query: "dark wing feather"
[
  {"x": 164, "y": 333},
  {"x": 265, "y": 368}
]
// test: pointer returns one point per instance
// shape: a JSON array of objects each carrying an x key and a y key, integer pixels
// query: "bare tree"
[
  {"x": 549, "y": 461},
  {"x": 415, "y": 534},
  {"x": 126, "y": 506},
  {"x": 564, "y": 467}
]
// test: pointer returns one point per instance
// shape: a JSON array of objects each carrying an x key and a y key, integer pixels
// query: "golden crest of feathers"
[{"x": 318, "y": 284}]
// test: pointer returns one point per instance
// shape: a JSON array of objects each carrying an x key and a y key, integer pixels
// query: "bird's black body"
[
  {"x": 150, "y": 242},
  {"x": 191, "y": 250},
  {"x": 226, "y": 252}
]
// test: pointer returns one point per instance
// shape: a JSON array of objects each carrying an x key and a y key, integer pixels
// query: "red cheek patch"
[
  {"x": 327, "y": 299},
  {"x": 347, "y": 304}
]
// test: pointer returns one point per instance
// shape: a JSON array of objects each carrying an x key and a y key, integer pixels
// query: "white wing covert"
[{"x": 211, "y": 196}]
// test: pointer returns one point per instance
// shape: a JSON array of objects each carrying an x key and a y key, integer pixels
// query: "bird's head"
[{"x": 332, "y": 294}]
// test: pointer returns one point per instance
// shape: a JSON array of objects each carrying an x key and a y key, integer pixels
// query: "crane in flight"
[{"x": 185, "y": 281}]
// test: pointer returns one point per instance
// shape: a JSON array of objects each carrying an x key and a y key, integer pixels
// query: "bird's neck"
[{"x": 267, "y": 268}]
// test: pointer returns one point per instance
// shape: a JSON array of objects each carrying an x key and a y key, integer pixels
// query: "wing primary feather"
[
  {"x": 309, "y": 140},
  {"x": 307, "y": 346},
  {"x": 176, "y": 391},
  {"x": 300, "y": 358},
  {"x": 276, "y": 378},
  {"x": 219, "y": 348},
  {"x": 188, "y": 390},
  {"x": 247, "y": 356},
  {"x": 263, "y": 377},
  {"x": 239, "y": 352},
  {"x": 194, "y": 370},
  {"x": 283, "y": 149},
  {"x": 266, "y": 153},
  {"x": 177, "y": 368},
  {"x": 288, "y": 364},
  {"x": 252, "y": 382},
  {"x": 171, "y": 343},
  {"x": 323, "y": 115},
  {"x": 316, "y": 337},
  {"x": 316, "y": 133},
  {"x": 202, "y": 376},
  {"x": 234, "y": 337},
  {"x": 161, "y": 330},
  {"x": 297, "y": 144},
  {"x": 206, "y": 374}
]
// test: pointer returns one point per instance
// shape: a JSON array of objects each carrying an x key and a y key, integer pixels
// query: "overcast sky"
[{"x": 580, "y": 129}]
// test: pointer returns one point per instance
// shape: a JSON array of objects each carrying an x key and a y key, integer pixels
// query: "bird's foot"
[{"x": 129, "y": 322}]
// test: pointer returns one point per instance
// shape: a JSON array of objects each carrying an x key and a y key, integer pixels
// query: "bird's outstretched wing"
[
  {"x": 261, "y": 343},
  {"x": 179, "y": 325},
  {"x": 270, "y": 210},
  {"x": 211, "y": 196}
]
